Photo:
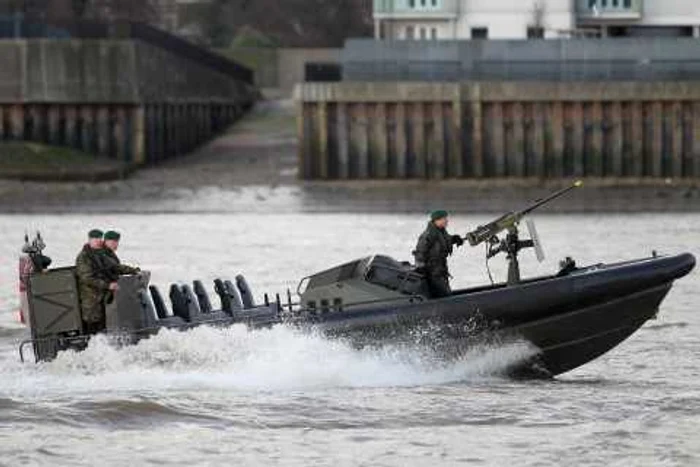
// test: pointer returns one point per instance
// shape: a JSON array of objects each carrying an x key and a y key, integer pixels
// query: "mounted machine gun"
[{"x": 512, "y": 245}]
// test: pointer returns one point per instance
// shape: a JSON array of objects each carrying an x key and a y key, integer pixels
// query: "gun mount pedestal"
[{"x": 511, "y": 246}]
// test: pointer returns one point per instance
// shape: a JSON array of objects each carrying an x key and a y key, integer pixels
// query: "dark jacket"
[
  {"x": 113, "y": 266},
  {"x": 433, "y": 248},
  {"x": 93, "y": 284}
]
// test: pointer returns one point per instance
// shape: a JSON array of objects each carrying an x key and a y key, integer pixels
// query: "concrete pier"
[
  {"x": 120, "y": 98},
  {"x": 506, "y": 129}
]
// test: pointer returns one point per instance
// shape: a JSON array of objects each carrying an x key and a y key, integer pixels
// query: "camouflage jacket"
[
  {"x": 93, "y": 284},
  {"x": 113, "y": 267}
]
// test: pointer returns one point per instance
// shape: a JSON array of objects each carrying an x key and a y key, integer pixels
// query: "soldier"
[
  {"x": 93, "y": 283},
  {"x": 113, "y": 265},
  {"x": 434, "y": 246}
]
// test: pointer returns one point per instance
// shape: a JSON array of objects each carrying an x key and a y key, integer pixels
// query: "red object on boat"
[{"x": 26, "y": 267}]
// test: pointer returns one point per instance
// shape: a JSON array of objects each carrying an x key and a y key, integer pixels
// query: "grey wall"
[
  {"x": 122, "y": 98},
  {"x": 67, "y": 71},
  {"x": 624, "y": 59},
  {"x": 108, "y": 71}
]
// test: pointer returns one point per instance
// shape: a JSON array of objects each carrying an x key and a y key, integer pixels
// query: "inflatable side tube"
[
  {"x": 180, "y": 308},
  {"x": 158, "y": 303},
  {"x": 202, "y": 297},
  {"x": 235, "y": 295},
  {"x": 172, "y": 322},
  {"x": 225, "y": 298},
  {"x": 246, "y": 294}
]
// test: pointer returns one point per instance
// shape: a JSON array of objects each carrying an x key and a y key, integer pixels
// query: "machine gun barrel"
[{"x": 487, "y": 232}]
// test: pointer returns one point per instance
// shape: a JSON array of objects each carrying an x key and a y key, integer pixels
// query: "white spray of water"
[{"x": 236, "y": 358}]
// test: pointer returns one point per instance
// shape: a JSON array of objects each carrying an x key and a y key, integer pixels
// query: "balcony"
[
  {"x": 609, "y": 10},
  {"x": 416, "y": 9}
]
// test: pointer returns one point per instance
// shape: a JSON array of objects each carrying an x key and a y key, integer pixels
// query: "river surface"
[{"x": 276, "y": 397}]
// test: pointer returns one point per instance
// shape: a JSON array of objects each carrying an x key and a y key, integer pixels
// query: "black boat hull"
[{"x": 571, "y": 320}]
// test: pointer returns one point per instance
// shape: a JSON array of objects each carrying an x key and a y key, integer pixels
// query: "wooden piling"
[
  {"x": 343, "y": 141},
  {"x": 596, "y": 148},
  {"x": 32, "y": 123},
  {"x": 306, "y": 150},
  {"x": 495, "y": 134},
  {"x": 418, "y": 150},
  {"x": 477, "y": 121},
  {"x": 53, "y": 125},
  {"x": 436, "y": 153},
  {"x": 354, "y": 141},
  {"x": 477, "y": 130},
  {"x": 322, "y": 149},
  {"x": 69, "y": 122},
  {"x": 577, "y": 135},
  {"x": 616, "y": 139},
  {"x": 455, "y": 159},
  {"x": 695, "y": 150},
  {"x": 401, "y": 141},
  {"x": 88, "y": 141},
  {"x": 676, "y": 117},
  {"x": 518, "y": 157},
  {"x": 362, "y": 141},
  {"x": 657, "y": 124},
  {"x": 557, "y": 129},
  {"x": 379, "y": 141},
  {"x": 138, "y": 135},
  {"x": 103, "y": 130},
  {"x": 120, "y": 150},
  {"x": 538, "y": 140},
  {"x": 637, "y": 138}
]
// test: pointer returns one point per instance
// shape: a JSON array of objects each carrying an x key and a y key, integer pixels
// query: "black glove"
[
  {"x": 457, "y": 240},
  {"x": 420, "y": 270}
]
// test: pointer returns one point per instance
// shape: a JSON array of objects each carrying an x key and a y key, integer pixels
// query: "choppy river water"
[{"x": 275, "y": 397}]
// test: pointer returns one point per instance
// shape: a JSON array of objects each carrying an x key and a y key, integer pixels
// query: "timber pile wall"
[
  {"x": 126, "y": 99},
  {"x": 505, "y": 129}
]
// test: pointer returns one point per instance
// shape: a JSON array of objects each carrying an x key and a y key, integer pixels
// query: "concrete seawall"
[
  {"x": 498, "y": 129},
  {"x": 125, "y": 99}
]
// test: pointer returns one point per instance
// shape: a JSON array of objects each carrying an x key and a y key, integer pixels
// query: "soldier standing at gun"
[
  {"x": 93, "y": 283},
  {"x": 433, "y": 248}
]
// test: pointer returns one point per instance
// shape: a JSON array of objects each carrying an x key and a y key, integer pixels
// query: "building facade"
[{"x": 534, "y": 19}]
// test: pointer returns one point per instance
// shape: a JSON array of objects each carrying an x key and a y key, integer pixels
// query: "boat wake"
[{"x": 236, "y": 358}]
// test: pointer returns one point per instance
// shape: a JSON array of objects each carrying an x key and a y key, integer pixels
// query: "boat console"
[{"x": 364, "y": 281}]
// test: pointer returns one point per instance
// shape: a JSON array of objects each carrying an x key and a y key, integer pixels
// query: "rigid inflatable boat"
[{"x": 570, "y": 317}]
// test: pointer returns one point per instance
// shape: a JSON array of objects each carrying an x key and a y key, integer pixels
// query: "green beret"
[
  {"x": 439, "y": 214},
  {"x": 95, "y": 233},
  {"x": 112, "y": 235}
]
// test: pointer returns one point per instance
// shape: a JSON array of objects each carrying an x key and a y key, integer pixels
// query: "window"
[
  {"x": 480, "y": 33},
  {"x": 535, "y": 32},
  {"x": 411, "y": 3},
  {"x": 434, "y": 33},
  {"x": 423, "y": 33},
  {"x": 434, "y": 3},
  {"x": 422, "y": 3},
  {"x": 410, "y": 32},
  {"x": 617, "y": 4}
]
